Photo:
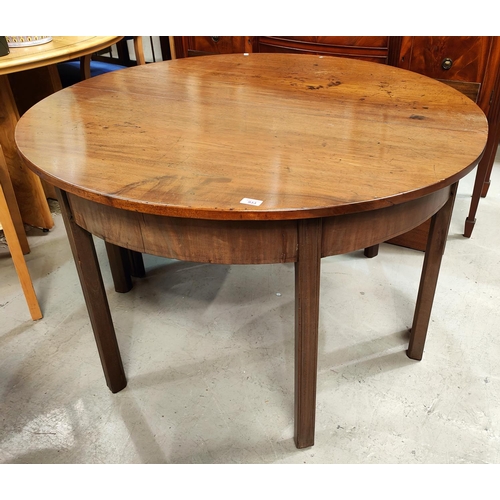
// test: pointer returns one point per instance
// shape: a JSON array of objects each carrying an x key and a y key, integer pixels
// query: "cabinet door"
[
  {"x": 368, "y": 48},
  {"x": 460, "y": 61},
  {"x": 187, "y": 46}
]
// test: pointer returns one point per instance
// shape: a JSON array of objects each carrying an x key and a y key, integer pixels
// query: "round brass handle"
[
  {"x": 216, "y": 38},
  {"x": 447, "y": 63}
]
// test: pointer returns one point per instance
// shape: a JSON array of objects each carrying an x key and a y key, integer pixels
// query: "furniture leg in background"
[
  {"x": 484, "y": 168},
  {"x": 16, "y": 241},
  {"x": 10, "y": 198},
  {"x": 28, "y": 187},
  {"x": 124, "y": 265},
  {"x": 440, "y": 224}
]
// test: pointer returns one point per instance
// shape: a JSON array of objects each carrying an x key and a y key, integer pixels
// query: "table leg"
[
  {"x": 372, "y": 251},
  {"x": 495, "y": 133},
  {"x": 307, "y": 286},
  {"x": 17, "y": 257},
  {"x": 87, "y": 265},
  {"x": 482, "y": 181},
  {"x": 27, "y": 94},
  {"x": 11, "y": 200},
  {"x": 124, "y": 264},
  {"x": 119, "y": 264},
  {"x": 137, "y": 269},
  {"x": 436, "y": 243},
  {"x": 479, "y": 183},
  {"x": 27, "y": 186}
]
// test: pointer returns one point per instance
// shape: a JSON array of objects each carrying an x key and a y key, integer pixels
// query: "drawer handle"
[
  {"x": 216, "y": 38},
  {"x": 447, "y": 63}
]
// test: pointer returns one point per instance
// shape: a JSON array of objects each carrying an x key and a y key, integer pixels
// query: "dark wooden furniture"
[
  {"x": 471, "y": 64},
  {"x": 187, "y": 46},
  {"x": 264, "y": 158}
]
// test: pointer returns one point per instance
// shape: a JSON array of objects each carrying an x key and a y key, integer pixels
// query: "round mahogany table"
[{"x": 253, "y": 159}]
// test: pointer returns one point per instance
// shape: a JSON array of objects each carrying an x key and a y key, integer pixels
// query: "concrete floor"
[{"x": 208, "y": 351}]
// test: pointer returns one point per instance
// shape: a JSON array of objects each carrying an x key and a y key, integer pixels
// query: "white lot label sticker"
[{"x": 249, "y": 201}]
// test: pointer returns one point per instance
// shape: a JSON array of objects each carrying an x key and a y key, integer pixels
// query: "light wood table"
[
  {"x": 254, "y": 159},
  {"x": 35, "y": 69}
]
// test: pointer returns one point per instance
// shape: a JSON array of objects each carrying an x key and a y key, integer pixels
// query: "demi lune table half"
[{"x": 253, "y": 159}]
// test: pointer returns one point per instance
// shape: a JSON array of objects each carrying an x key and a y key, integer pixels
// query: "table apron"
[
  {"x": 354, "y": 231},
  {"x": 247, "y": 241}
]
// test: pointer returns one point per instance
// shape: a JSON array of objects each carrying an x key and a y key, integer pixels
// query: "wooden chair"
[
  {"x": 72, "y": 72},
  {"x": 8, "y": 208}
]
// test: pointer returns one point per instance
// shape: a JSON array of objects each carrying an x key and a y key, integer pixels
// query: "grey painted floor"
[{"x": 208, "y": 351}]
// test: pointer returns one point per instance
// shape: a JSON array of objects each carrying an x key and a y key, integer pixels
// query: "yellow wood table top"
[
  {"x": 61, "y": 48},
  {"x": 304, "y": 135}
]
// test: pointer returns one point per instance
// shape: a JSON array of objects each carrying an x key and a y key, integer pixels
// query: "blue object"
[{"x": 70, "y": 72}]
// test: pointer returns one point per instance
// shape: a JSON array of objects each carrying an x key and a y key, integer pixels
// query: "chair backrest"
[
  {"x": 139, "y": 50},
  {"x": 85, "y": 67},
  {"x": 86, "y": 61}
]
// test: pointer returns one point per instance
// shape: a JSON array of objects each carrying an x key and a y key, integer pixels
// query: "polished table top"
[
  {"x": 307, "y": 136},
  {"x": 61, "y": 48}
]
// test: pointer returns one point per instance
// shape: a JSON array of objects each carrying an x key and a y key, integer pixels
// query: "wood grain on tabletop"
[{"x": 310, "y": 136}]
